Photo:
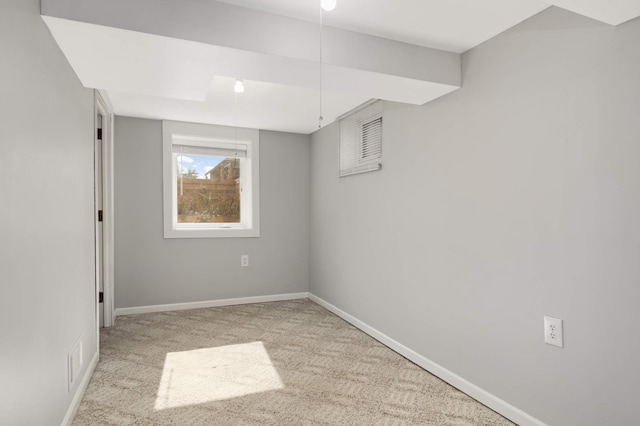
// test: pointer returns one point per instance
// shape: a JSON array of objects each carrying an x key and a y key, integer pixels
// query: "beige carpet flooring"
[{"x": 281, "y": 363}]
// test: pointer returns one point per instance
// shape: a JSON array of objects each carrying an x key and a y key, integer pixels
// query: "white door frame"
[{"x": 103, "y": 107}]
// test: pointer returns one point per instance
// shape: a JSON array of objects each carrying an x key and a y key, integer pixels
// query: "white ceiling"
[
  {"x": 453, "y": 25},
  {"x": 168, "y": 75},
  {"x": 150, "y": 76},
  {"x": 613, "y": 12}
]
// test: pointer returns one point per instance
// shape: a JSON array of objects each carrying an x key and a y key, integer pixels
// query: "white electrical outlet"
[
  {"x": 244, "y": 260},
  {"x": 75, "y": 362},
  {"x": 553, "y": 331}
]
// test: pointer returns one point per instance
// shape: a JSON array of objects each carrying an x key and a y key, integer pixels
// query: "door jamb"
[{"x": 103, "y": 106}]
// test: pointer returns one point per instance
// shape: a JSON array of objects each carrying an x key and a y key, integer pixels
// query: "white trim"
[
  {"x": 504, "y": 408},
  {"x": 210, "y": 303},
  {"x": 77, "y": 398},
  {"x": 108, "y": 248},
  {"x": 105, "y": 99},
  {"x": 358, "y": 108},
  {"x": 108, "y": 230},
  {"x": 361, "y": 169}
]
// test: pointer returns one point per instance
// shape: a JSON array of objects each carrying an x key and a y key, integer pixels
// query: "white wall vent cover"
[
  {"x": 361, "y": 139},
  {"x": 75, "y": 363}
]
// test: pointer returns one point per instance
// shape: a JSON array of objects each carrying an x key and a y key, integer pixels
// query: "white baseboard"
[
  {"x": 77, "y": 398},
  {"x": 210, "y": 303},
  {"x": 507, "y": 410}
]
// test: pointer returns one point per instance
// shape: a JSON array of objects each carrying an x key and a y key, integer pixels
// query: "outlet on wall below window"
[
  {"x": 244, "y": 260},
  {"x": 553, "y": 331}
]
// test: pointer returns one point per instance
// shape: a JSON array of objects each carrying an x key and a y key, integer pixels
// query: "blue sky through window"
[{"x": 200, "y": 163}]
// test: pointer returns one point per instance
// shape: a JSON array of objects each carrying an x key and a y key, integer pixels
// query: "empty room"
[{"x": 319, "y": 212}]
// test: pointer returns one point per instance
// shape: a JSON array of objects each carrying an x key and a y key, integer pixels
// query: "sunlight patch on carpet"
[{"x": 214, "y": 374}]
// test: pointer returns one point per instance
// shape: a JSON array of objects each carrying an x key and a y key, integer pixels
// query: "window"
[
  {"x": 210, "y": 181},
  {"x": 361, "y": 139}
]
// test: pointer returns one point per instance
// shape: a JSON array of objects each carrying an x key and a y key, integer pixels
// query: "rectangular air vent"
[
  {"x": 361, "y": 139},
  {"x": 75, "y": 362}
]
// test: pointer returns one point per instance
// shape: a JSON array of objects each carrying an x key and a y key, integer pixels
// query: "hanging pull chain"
[{"x": 235, "y": 129}]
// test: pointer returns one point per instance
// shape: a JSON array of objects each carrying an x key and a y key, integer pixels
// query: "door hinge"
[
  {"x": 101, "y": 297},
  {"x": 99, "y": 215},
  {"x": 99, "y": 134}
]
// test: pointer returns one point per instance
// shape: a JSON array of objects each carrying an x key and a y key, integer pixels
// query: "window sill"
[{"x": 212, "y": 233}]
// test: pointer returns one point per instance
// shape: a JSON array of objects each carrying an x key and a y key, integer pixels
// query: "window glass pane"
[{"x": 208, "y": 189}]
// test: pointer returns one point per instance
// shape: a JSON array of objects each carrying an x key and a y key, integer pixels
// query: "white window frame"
[
  {"x": 351, "y": 150},
  {"x": 209, "y": 135}
]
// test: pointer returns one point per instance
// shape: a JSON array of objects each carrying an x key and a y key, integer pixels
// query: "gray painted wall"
[
  {"x": 150, "y": 270},
  {"x": 47, "y": 281},
  {"x": 515, "y": 197}
]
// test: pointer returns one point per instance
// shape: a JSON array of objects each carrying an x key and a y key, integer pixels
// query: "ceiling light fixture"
[
  {"x": 239, "y": 86},
  {"x": 328, "y": 5}
]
